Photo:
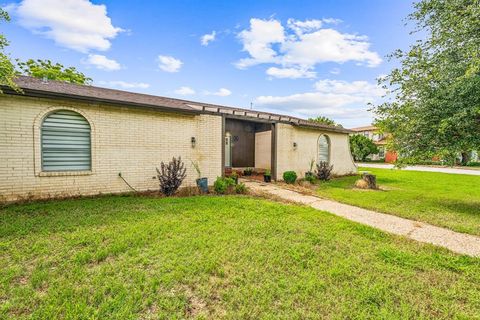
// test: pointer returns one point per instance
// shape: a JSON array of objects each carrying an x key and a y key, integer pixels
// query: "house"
[
  {"x": 380, "y": 140},
  {"x": 61, "y": 139}
]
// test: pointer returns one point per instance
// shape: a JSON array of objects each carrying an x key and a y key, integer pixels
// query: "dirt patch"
[{"x": 196, "y": 305}]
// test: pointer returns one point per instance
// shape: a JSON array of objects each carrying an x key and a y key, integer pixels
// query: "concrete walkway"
[
  {"x": 472, "y": 172},
  {"x": 457, "y": 242}
]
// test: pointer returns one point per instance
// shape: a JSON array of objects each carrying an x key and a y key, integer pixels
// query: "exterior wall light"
[
  {"x": 193, "y": 141},
  {"x": 294, "y": 145}
]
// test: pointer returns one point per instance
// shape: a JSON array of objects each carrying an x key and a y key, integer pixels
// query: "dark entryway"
[{"x": 248, "y": 144}]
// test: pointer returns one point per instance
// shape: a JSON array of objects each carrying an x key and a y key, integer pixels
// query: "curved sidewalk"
[{"x": 457, "y": 242}]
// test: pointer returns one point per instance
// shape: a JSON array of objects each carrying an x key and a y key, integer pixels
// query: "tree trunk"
[
  {"x": 371, "y": 180},
  {"x": 465, "y": 158}
]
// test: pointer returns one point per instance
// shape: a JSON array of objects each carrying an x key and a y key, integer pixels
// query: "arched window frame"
[
  {"x": 37, "y": 143},
  {"x": 327, "y": 138}
]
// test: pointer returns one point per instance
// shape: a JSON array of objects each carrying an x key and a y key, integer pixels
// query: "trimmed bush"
[
  {"x": 473, "y": 164},
  {"x": 289, "y": 176},
  {"x": 310, "y": 178},
  {"x": 224, "y": 185},
  {"x": 241, "y": 188}
]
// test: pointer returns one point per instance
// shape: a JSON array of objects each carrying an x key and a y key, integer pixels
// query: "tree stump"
[{"x": 370, "y": 179}]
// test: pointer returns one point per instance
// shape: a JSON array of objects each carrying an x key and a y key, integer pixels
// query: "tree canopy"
[
  {"x": 34, "y": 68},
  {"x": 361, "y": 147},
  {"x": 7, "y": 68},
  {"x": 52, "y": 71},
  {"x": 434, "y": 102},
  {"x": 323, "y": 120}
]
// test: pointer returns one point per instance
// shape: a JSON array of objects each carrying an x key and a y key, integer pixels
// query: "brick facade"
[
  {"x": 298, "y": 158},
  {"x": 132, "y": 141}
]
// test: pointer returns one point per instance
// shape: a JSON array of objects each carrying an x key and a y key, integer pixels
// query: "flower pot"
[
  {"x": 202, "y": 184},
  {"x": 267, "y": 178}
]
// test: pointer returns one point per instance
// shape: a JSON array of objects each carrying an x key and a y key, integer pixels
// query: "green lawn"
[
  {"x": 445, "y": 200},
  {"x": 219, "y": 257}
]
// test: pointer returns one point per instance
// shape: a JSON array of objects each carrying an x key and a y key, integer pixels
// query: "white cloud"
[
  {"x": 169, "y": 63},
  {"x": 222, "y": 92},
  {"x": 331, "y": 20},
  {"x": 292, "y": 73},
  {"x": 335, "y": 98},
  {"x": 125, "y": 85},
  {"x": 300, "y": 27},
  {"x": 103, "y": 63},
  {"x": 258, "y": 42},
  {"x": 302, "y": 45},
  {"x": 185, "y": 91},
  {"x": 75, "y": 24},
  {"x": 207, "y": 38}
]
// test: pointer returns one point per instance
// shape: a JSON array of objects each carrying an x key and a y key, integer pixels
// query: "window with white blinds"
[
  {"x": 65, "y": 142},
  {"x": 323, "y": 152}
]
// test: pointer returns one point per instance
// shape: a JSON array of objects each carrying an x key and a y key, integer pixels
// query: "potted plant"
[
  {"x": 309, "y": 174},
  {"x": 248, "y": 172},
  {"x": 202, "y": 182},
  {"x": 267, "y": 176}
]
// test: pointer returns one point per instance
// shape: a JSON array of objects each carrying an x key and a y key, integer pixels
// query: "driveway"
[{"x": 472, "y": 172}]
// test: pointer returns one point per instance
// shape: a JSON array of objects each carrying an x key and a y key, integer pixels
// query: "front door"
[{"x": 228, "y": 149}]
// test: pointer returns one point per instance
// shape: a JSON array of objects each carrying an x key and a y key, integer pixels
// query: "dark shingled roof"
[{"x": 57, "y": 89}]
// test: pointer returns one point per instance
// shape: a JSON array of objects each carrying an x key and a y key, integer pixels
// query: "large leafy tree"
[
  {"x": 361, "y": 147},
  {"x": 434, "y": 106},
  {"x": 323, "y": 120},
  {"x": 7, "y": 68},
  {"x": 52, "y": 71}
]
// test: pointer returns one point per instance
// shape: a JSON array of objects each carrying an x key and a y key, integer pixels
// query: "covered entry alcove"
[{"x": 249, "y": 144}]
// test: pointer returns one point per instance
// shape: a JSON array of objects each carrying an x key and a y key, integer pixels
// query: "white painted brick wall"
[
  {"x": 128, "y": 140},
  {"x": 298, "y": 159}
]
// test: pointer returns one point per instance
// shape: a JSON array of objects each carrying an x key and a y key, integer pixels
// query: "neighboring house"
[
  {"x": 380, "y": 140},
  {"x": 61, "y": 139}
]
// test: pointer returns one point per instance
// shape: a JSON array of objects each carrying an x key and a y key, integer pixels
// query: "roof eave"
[{"x": 88, "y": 99}]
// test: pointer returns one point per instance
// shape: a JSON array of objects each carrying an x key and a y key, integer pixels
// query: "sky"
[{"x": 301, "y": 58}]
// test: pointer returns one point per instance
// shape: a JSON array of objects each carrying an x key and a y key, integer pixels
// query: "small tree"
[
  {"x": 171, "y": 176},
  {"x": 47, "y": 69},
  {"x": 361, "y": 147},
  {"x": 323, "y": 120}
]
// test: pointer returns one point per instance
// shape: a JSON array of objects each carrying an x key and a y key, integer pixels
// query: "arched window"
[
  {"x": 323, "y": 149},
  {"x": 65, "y": 142}
]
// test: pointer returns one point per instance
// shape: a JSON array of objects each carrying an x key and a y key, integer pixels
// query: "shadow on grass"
[
  {"x": 471, "y": 208},
  {"x": 48, "y": 217}
]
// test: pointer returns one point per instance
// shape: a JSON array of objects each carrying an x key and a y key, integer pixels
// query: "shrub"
[
  {"x": 310, "y": 178},
  {"x": 361, "y": 147},
  {"x": 241, "y": 188},
  {"x": 473, "y": 164},
  {"x": 223, "y": 185},
  {"x": 324, "y": 171},
  {"x": 289, "y": 176},
  {"x": 268, "y": 173},
  {"x": 248, "y": 171},
  {"x": 171, "y": 176},
  {"x": 234, "y": 176}
]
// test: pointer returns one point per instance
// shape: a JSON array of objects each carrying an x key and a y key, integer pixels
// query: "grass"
[
  {"x": 219, "y": 257},
  {"x": 445, "y": 200}
]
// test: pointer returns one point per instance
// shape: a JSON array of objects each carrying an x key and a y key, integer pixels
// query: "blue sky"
[{"x": 303, "y": 58}]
